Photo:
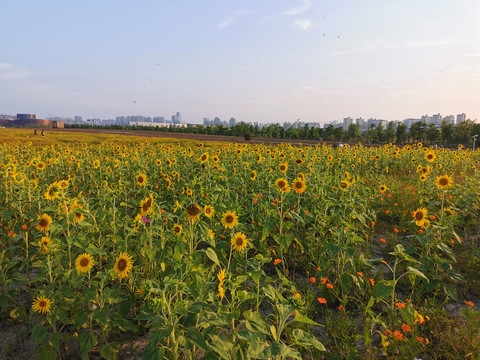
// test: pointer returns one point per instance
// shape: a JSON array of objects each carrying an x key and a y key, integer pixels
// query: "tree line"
[{"x": 447, "y": 135}]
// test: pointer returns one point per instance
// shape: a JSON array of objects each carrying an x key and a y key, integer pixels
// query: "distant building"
[{"x": 461, "y": 118}]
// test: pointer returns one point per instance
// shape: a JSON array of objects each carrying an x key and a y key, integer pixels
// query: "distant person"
[
  {"x": 43, "y": 133},
  {"x": 35, "y": 132}
]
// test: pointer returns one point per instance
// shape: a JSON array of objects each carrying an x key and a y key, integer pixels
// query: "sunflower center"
[
  {"x": 298, "y": 185},
  {"x": 84, "y": 262},
  {"x": 239, "y": 241},
  {"x": 193, "y": 210},
  {"x": 419, "y": 215},
  {"x": 281, "y": 184},
  {"x": 43, "y": 223},
  {"x": 122, "y": 264},
  {"x": 140, "y": 179},
  {"x": 42, "y": 303},
  {"x": 229, "y": 219},
  {"x": 343, "y": 185},
  {"x": 443, "y": 181}
]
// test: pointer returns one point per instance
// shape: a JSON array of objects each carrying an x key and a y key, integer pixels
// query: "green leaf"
[
  {"x": 109, "y": 351},
  {"x": 307, "y": 340},
  {"x": 221, "y": 346},
  {"x": 38, "y": 334},
  {"x": 417, "y": 272},
  {"x": 450, "y": 290},
  {"x": 87, "y": 342},
  {"x": 196, "y": 338},
  {"x": 303, "y": 319},
  {"x": 382, "y": 290},
  {"x": 212, "y": 255},
  {"x": 46, "y": 352}
]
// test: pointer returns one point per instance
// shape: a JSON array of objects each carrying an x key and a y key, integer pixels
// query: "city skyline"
[{"x": 257, "y": 62}]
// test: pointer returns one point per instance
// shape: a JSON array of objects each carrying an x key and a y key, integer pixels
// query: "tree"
[
  {"x": 462, "y": 132},
  {"x": 390, "y": 132},
  {"x": 432, "y": 133},
  {"x": 353, "y": 132},
  {"x": 401, "y": 133},
  {"x": 417, "y": 131},
  {"x": 446, "y": 132}
]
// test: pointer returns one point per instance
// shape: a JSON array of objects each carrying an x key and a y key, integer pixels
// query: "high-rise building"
[
  {"x": 177, "y": 118},
  {"x": 461, "y": 118}
]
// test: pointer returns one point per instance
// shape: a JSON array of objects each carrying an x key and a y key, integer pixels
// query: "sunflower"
[
  {"x": 299, "y": 185},
  {"x": 193, "y": 212},
  {"x": 430, "y": 156},
  {"x": 123, "y": 265},
  {"x": 84, "y": 262},
  {"x": 420, "y": 216},
  {"x": 41, "y": 165},
  {"x": 239, "y": 241},
  {"x": 177, "y": 229},
  {"x": 344, "y": 185},
  {"x": 230, "y": 219},
  {"x": 42, "y": 304},
  {"x": 298, "y": 162},
  {"x": 204, "y": 158},
  {"x": 211, "y": 234},
  {"x": 96, "y": 164},
  {"x": 63, "y": 184},
  {"x": 141, "y": 179},
  {"x": 44, "y": 241},
  {"x": 444, "y": 182},
  {"x": 52, "y": 192},
  {"x": 449, "y": 211},
  {"x": 221, "y": 276},
  {"x": 282, "y": 184},
  {"x": 44, "y": 224},
  {"x": 283, "y": 167},
  {"x": 253, "y": 175},
  {"x": 158, "y": 162},
  {"x": 423, "y": 178},
  {"x": 383, "y": 188},
  {"x": 146, "y": 205},
  {"x": 208, "y": 210}
]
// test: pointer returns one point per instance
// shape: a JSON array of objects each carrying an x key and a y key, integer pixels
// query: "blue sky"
[{"x": 262, "y": 60}]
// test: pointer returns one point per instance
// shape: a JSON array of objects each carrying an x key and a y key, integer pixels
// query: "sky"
[{"x": 263, "y": 61}]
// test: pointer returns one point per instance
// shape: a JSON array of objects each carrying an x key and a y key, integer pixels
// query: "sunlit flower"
[
  {"x": 123, "y": 265},
  {"x": 420, "y": 216},
  {"x": 42, "y": 304},
  {"x": 44, "y": 224},
  {"x": 141, "y": 179},
  {"x": 44, "y": 241},
  {"x": 444, "y": 182},
  {"x": 193, "y": 212},
  {"x": 146, "y": 205},
  {"x": 208, "y": 211},
  {"x": 84, "y": 262},
  {"x": 299, "y": 185},
  {"x": 229, "y": 219},
  {"x": 322, "y": 300},
  {"x": 239, "y": 242},
  {"x": 177, "y": 229}
]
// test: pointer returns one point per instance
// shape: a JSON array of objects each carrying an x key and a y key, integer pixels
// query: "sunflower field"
[{"x": 128, "y": 247}]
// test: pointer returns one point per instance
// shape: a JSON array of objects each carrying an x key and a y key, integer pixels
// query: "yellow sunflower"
[
  {"x": 344, "y": 185},
  {"x": 253, "y": 175},
  {"x": 444, "y": 182},
  {"x": 208, "y": 210},
  {"x": 383, "y": 188},
  {"x": 282, "y": 185},
  {"x": 44, "y": 241},
  {"x": 146, "y": 205},
  {"x": 84, "y": 262},
  {"x": 420, "y": 216},
  {"x": 193, "y": 212},
  {"x": 44, "y": 224},
  {"x": 52, "y": 192},
  {"x": 42, "y": 304},
  {"x": 449, "y": 211},
  {"x": 283, "y": 167},
  {"x": 204, "y": 158},
  {"x": 177, "y": 229},
  {"x": 299, "y": 185},
  {"x": 239, "y": 241},
  {"x": 41, "y": 165},
  {"x": 430, "y": 156},
  {"x": 229, "y": 219},
  {"x": 141, "y": 179},
  {"x": 423, "y": 178},
  {"x": 123, "y": 265}
]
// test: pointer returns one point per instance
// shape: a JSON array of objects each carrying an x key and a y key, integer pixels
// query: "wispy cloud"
[
  {"x": 300, "y": 9},
  {"x": 231, "y": 18},
  {"x": 303, "y": 24},
  {"x": 380, "y": 44},
  {"x": 12, "y": 72},
  {"x": 225, "y": 22}
]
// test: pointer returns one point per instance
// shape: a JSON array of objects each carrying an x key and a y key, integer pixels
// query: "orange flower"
[
  {"x": 360, "y": 274},
  {"x": 297, "y": 295},
  {"x": 330, "y": 286},
  {"x": 322, "y": 300},
  {"x": 277, "y": 261},
  {"x": 469, "y": 303},
  {"x": 324, "y": 280},
  {"x": 371, "y": 281},
  {"x": 420, "y": 339},
  {"x": 255, "y": 201},
  {"x": 318, "y": 268},
  {"x": 341, "y": 308},
  {"x": 383, "y": 241},
  {"x": 398, "y": 335},
  {"x": 396, "y": 230},
  {"x": 400, "y": 304},
  {"x": 373, "y": 223},
  {"x": 312, "y": 280},
  {"x": 406, "y": 328},
  {"x": 24, "y": 227}
]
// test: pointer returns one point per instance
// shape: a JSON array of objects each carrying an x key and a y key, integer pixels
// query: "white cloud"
[
  {"x": 12, "y": 72},
  {"x": 225, "y": 22},
  {"x": 299, "y": 10},
  {"x": 303, "y": 24}
]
